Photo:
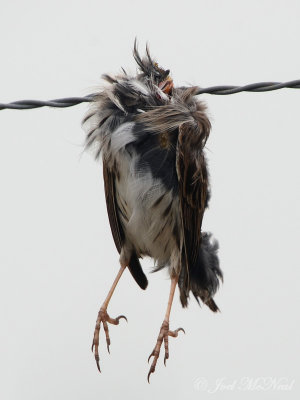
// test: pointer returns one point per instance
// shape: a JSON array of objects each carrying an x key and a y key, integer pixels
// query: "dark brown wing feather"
[
  {"x": 200, "y": 273},
  {"x": 193, "y": 187},
  {"x": 116, "y": 227}
]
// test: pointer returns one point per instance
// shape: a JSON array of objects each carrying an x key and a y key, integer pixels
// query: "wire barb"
[{"x": 216, "y": 90}]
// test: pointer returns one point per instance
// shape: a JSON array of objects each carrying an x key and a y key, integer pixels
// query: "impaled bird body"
[{"x": 151, "y": 136}]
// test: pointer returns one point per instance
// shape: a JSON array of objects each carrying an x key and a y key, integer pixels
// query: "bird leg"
[
  {"x": 104, "y": 318},
  {"x": 164, "y": 332}
]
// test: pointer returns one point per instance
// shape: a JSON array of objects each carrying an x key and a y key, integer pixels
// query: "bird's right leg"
[
  {"x": 104, "y": 318},
  {"x": 164, "y": 332}
]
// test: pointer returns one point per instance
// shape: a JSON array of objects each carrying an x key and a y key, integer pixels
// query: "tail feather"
[
  {"x": 137, "y": 272},
  {"x": 212, "y": 305},
  {"x": 204, "y": 276}
]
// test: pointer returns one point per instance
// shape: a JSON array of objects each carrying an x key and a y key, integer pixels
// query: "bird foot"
[
  {"x": 103, "y": 318},
  {"x": 163, "y": 336}
]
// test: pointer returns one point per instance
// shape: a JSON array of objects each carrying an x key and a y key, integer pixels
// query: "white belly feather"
[{"x": 148, "y": 213}]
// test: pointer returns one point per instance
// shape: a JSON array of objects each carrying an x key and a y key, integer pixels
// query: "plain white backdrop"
[{"x": 57, "y": 256}]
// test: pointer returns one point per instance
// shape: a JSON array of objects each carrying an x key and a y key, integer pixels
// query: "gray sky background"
[{"x": 57, "y": 256}]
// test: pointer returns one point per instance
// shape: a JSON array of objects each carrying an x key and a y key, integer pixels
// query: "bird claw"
[
  {"x": 103, "y": 318},
  {"x": 120, "y": 317},
  {"x": 98, "y": 363},
  {"x": 149, "y": 373},
  {"x": 163, "y": 336},
  {"x": 152, "y": 354},
  {"x": 165, "y": 360}
]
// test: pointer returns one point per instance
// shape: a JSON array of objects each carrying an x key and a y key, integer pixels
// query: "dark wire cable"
[
  {"x": 252, "y": 87},
  {"x": 216, "y": 90}
]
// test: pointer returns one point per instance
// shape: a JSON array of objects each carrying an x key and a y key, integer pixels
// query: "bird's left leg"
[
  {"x": 164, "y": 332},
  {"x": 104, "y": 318}
]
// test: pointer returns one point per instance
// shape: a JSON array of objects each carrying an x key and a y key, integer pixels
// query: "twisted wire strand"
[
  {"x": 216, "y": 90},
  {"x": 61, "y": 103},
  {"x": 252, "y": 87}
]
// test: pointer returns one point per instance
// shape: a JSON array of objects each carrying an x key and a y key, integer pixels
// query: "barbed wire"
[
  {"x": 216, "y": 90},
  {"x": 252, "y": 87},
  {"x": 61, "y": 103}
]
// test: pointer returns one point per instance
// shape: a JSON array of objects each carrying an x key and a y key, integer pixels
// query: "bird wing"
[
  {"x": 116, "y": 227},
  {"x": 193, "y": 188},
  {"x": 111, "y": 204}
]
